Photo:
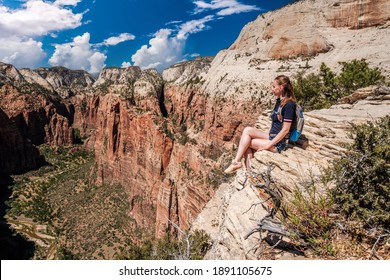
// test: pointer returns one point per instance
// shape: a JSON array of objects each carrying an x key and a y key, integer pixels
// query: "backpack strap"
[{"x": 279, "y": 112}]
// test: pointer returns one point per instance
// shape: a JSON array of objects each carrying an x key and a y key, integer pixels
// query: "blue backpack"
[{"x": 297, "y": 125}]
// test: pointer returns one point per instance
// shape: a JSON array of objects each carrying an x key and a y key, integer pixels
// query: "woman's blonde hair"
[{"x": 288, "y": 90}]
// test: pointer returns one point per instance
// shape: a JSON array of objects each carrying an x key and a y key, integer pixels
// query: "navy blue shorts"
[{"x": 281, "y": 145}]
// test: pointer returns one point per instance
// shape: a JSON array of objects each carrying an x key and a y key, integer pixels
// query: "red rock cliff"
[
  {"x": 17, "y": 154},
  {"x": 34, "y": 100},
  {"x": 153, "y": 157},
  {"x": 39, "y": 118},
  {"x": 358, "y": 14}
]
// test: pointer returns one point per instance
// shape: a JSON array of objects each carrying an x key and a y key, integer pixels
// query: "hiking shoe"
[{"x": 233, "y": 167}]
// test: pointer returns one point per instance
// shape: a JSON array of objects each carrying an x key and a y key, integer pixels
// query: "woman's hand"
[{"x": 265, "y": 145}]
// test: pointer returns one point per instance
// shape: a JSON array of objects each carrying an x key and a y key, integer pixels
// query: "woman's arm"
[{"x": 285, "y": 130}]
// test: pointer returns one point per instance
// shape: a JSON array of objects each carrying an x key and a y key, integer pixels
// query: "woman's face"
[{"x": 277, "y": 89}]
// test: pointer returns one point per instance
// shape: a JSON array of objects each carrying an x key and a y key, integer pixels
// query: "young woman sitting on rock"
[{"x": 253, "y": 139}]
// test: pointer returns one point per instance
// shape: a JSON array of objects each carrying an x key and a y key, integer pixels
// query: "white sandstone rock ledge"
[{"x": 226, "y": 219}]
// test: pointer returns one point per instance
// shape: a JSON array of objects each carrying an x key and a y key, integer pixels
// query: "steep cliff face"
[
  {"x": 156, "y": 159},
  {"x": 39, "y": 118},
  {"x": 298, "y": 29},
  {"x": 17, "y": 154},
  {"x": 132, "y": 150},
  {"x": 184, "y": 101},
  {"x": 34, "y": 99},
  {"x": 121, "y": 116},
  {"x": 358, "y": 14}
]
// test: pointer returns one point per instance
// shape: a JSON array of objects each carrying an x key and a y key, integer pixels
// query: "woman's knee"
[
  {"x": 254, "y": 133},
  {"x": 248, "y": 130}
]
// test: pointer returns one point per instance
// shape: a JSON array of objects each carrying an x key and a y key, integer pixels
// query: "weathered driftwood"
[
  {"x": 269, "y": 222},
  {"x": 373, "y": 251}
]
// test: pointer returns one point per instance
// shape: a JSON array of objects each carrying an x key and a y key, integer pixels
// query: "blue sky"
[{"x": 92, "y": 34}]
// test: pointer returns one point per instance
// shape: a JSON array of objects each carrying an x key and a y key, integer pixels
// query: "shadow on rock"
[
  {"x": 13, "y": 246},
  {"x": 277, "y": 242}
]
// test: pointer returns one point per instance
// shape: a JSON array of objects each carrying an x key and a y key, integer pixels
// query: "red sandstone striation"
[
  {"x": 134, "y": 148},
  {"x": 358, "y": 14},
  {"x": 167, "y": 165},
  {"x": 131, "y": 149},
  {"x": 34, "y": 100}
]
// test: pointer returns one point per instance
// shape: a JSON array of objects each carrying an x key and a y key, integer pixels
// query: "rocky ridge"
[{"x": 63, "y": 81}]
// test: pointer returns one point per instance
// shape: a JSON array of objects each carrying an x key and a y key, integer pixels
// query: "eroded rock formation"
[{"x": 63, "y": 81}]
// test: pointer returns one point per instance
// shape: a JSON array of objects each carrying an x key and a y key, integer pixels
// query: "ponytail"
[{"x": 288, "y": 90}]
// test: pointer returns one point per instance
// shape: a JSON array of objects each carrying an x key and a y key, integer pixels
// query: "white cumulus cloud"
[
  {"x": 66, "y": 2},
  {"x": 112, "y": 41},
  {"x": 37, "y": 18},
  {"x": 193, "y": 26},
  {"x": 163, "y": 50},
  {"x": 225, "y": 7},
  {"x": 21, "y": 52},
  {"x": 167, "y": 45},
  {"x": 97, "y": 62},
  {"x": 79, "y": 54},
  {"x": 126, "y": 64},
  {"x": 20, "y": 27}
]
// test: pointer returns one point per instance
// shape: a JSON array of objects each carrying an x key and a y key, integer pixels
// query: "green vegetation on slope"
[
  {"x": 356, "y": 209},
  {"x": 83, "y": 220},
  {"x": 362, "y": 176},
  {"x": 316, "y": 91},
  {"x": 192, "y": 246}
]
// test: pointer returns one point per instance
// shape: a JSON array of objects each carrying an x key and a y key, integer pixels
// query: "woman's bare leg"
[
  {"x": 259, "y": 145},
  {"x": 248, "y": 134},
  {"x": 248, "y": 156}
]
